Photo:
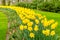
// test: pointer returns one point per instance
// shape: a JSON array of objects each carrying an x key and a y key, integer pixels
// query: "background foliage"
[{"x": 51, "y": 6}]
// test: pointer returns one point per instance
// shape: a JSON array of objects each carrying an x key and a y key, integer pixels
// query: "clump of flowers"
[{"x": 35, "y": 26}]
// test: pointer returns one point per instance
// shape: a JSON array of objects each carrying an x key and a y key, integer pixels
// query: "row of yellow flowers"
[{"x": 31, "y": 20}]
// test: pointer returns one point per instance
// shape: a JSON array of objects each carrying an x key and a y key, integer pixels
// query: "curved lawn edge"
[
  {"x": 3, "y": 26},
  {"x": 13, "y": 19}
]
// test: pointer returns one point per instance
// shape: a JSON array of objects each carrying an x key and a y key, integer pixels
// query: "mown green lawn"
[
  {"x": 54, "y": 16},
  {"x": 3, "y": 26}
]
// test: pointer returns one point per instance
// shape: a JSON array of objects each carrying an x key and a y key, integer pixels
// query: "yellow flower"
[
  {"x": 50, "y": 22},
  {"x": 46, "y": 32},
  {"x": 28, "y": 16},
  {"x": 30, "y": 28},
  {"x": 42, "y": 21},
  {"x": 39, "y": 15},
  {"x": 45, "y": 23},
  {"x": 21, "y": 16},
  {"x": 26, "y": 21},
  {"x": 21, "y": 27},
  {"x": 25, "y": 27},
  {"x": 43, "y": 31},
  {"x": 36, "y": 21},
  {"x": 32, "y": 17},
  {"x": 32, "y": 35},
  {"x": 52, "y": 33},
  {"x": 53, "y": 26},
  {"x": 36, "y": 28},
  {"x": 30, "y": 24}
]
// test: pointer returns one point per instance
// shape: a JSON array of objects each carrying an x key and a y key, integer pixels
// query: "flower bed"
[{"x": 31, "y": 26}]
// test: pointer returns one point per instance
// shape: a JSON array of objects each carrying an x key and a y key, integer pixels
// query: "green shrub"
[
  {"x": 26, "y": 5},
  {"x": 53, "y": 6}
]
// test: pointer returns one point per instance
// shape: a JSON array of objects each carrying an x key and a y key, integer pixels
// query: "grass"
[
  {"x": 51, "y": 15},
  {"x": 3, "y": 26}
]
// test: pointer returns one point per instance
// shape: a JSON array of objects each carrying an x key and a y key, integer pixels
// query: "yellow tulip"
[
  {"x": 30, "y": 28},
  {"x": 50, "y": 22},
  {"x": 52, "y": 33},
  {"x": 26, "y": 21},
  {"x": 45, "y": 23},
  {"x": 46, "y": 32},
  {"x": 21, "y": 27},
  {"x": 30, "y": 24},
  {"x": 25, "y": 27},
  {"x": 53, "y": 26},
  {"x": 32, "y": 35},
  {"x": 36, "y": 21},
  {"x": 36, "y": 28}
]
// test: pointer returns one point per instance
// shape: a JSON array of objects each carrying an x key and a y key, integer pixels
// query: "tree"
[
  {"x": 9, "y": 2},
  {"x": 18, "y": 0},
  {"x": 3, "y": 2}
]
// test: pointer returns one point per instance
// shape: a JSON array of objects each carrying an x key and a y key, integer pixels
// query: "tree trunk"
[
  {"x": 3, "y": 2},
  {"x": 18, "y": 0},
  {"x": 9, "y": 2}
]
